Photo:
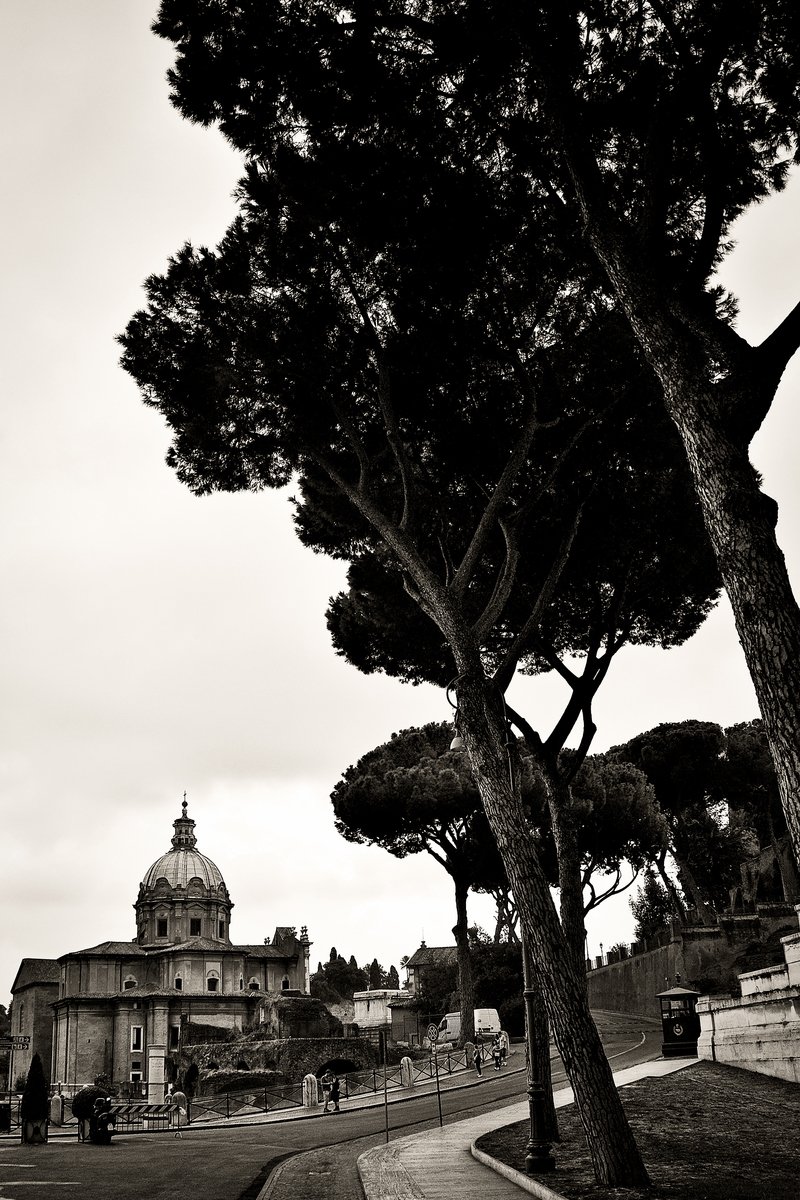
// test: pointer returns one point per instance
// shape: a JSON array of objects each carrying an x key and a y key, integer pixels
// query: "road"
[{"x": 234, "y": 1163}]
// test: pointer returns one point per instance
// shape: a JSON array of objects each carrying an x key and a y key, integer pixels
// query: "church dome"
[
  {"x": 177, "y": 867},
  {"x": 184, "y": 861},
  {"x": 183, "y": 894}
]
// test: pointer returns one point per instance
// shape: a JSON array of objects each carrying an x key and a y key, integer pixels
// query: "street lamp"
[{"x": 538, "y": 1157}]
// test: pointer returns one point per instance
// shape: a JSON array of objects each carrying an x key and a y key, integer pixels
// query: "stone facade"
[
  {"x": 35, "y": 989},
  {"x": 759, "y": 1030},
  {"x": 372, "y": 1009},
  {"x": 118, "y": 1008}
]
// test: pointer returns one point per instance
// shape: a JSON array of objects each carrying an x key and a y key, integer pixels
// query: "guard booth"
[{"x": 680, "y": 1024}]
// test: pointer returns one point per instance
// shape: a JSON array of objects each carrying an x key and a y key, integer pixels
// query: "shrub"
[
  {"x": 35, "y": 1102},
  {"x": 83, "y": 1101}
]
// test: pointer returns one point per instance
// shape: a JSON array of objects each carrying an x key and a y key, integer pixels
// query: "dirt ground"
[{"x": 708, "y": 1133}]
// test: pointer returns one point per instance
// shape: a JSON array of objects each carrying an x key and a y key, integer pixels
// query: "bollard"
[
  {"x": 310, "y": 1091},
  {"x": 406, "y": 1072}
]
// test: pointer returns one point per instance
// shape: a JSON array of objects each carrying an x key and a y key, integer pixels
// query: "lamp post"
[{"x": 538, "y": 1157}]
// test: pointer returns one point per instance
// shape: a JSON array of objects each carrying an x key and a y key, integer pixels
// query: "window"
[
  {"x": 161, "y": 927},
  {"x": 253, "y": 985},
  {"x": 212, "y": 984},
  {"x": 285, "y": 984},
  {"x": 195, "y": 926},
  {"x": 178, "y": 984},
  {"x": 136, "y": 1037},
  {"x": 221, "y": 928},
  {"x": 136, "y": 1076},
  {"x": 129, "y": 983},
  {"x": 174, "y": 1036}
]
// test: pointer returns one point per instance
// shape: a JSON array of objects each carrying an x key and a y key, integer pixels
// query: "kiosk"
[{"x": 680, "y": 1024}]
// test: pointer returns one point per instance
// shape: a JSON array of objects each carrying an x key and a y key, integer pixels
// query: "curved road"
[{"x": 301, "y": 1159}]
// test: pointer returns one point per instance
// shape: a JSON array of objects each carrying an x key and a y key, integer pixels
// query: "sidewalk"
[{"x": 437, "y": 1164}]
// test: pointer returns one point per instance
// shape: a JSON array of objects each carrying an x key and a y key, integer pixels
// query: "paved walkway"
[{"x": 439, "y": 1164}]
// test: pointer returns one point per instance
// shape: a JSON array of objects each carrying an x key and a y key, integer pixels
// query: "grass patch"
[{"x": 706, "y": 1133}]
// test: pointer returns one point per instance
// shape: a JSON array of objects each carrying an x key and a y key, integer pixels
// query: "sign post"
[
  {"x": 433, "y": 1038},
  {"x": 19, "y": 1041}
]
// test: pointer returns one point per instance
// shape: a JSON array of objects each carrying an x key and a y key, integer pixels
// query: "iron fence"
[
  {"x": 226, "y": 1105},
  {"x": 134, "y": 1114}
]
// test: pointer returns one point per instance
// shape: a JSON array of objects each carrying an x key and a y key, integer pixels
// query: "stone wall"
[
  {"x": 706, "y": 958},
  {"x": 759, "y": 1030},
  {"x": 290, "y": 1058}
]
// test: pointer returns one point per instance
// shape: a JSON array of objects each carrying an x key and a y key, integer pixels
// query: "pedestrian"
[
  {"x": 476, "y": 1058},
  {"x": 335, "y": 1093},
  {"x": 326, "y": 1082},
  {"x": 496, "y": 1052},
  {"x": 180, "y": 1103},
  {"x": 503, "y": 1047}
]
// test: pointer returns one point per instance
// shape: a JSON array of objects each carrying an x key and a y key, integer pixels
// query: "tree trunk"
[
  {"x": 537, "y": 1029},
  {"x": 465, "y": 989},
  {"x": 672, "y": 892},
  {"x": 740, "y": 520},
  {"x": 693, "y": 888},
  {"x": 615, "y": 1155},
  {"x": 570, "y": 876}
]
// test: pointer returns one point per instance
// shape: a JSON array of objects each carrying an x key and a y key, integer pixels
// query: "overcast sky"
[{"x": 154, "y": 642}]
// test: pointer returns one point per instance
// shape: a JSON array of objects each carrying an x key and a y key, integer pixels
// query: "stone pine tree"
[
  {"x": 620, "y": 827},
  {"x": 413, "y": 794},
  {"x": 684, "y": 762},
  {"x": 412, "y": 335},
  {"x": 658, "y": 124},
  {"x": 750, "y": 787}
]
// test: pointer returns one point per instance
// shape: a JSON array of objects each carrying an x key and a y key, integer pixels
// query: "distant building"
[
  {"x": 372, "y": 1009},
  {"x": 409, "y": 1023},
  {"x": 426, "y": 958},
  {"x": 117, "y": 1009}
]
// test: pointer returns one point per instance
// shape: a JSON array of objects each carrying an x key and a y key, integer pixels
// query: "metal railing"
[
  {"x": 139, "y": 1116},
  {"x": 226, "y": 1105}
]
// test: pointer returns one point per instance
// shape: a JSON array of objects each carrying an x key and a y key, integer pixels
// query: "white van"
[{"x": 487, "y": 1024}]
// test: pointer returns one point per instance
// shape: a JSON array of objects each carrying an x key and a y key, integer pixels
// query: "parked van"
[{"x": 487, "y": 1024}]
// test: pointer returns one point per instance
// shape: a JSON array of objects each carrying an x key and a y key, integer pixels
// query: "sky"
[{"x": 154, "y": 643}]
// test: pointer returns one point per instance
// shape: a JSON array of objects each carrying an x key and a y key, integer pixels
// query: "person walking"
[
  {"x": 476, "y": 1058},
  {"x": 496, "y": 1053},
  {"x": 326, "y": 1082},
  {"x": 335, "y": 1093}
]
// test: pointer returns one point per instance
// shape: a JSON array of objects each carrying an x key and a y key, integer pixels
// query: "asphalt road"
[{"x": 315, "y": 1157}]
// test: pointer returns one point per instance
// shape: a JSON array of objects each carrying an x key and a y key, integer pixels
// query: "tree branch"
[
  {"x": 778, "y": 348},
  {"x": 498, "y": 498},
  {"x": 505, "y": 671}
]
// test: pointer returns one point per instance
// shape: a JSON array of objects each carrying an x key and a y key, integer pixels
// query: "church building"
[{"x": 119, "y": 1007}]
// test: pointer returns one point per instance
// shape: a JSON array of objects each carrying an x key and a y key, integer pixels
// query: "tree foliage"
[
  {"x": 414, "y": 794},
  {"x": 403, "y": 319},
  {"x": 651, "y": 908},
  {"x": 337, "y": 979},
  {"x": 35, "y": 1103}
]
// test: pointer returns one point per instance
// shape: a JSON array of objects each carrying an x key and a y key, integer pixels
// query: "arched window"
[
  {"x": 178, "y": 984},
  {"x": 128, "y": 983},
  {"x": 212, "y": 981},
  {"x": 285, "y": 983}
]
